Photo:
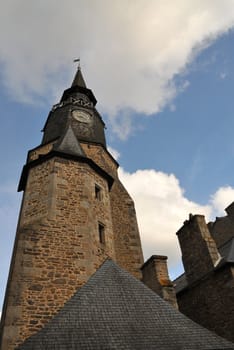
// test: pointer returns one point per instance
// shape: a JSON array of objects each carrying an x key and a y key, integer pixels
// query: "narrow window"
[
  {"x": 97, "y": 192},
  {"x": 101, "y": 232}
]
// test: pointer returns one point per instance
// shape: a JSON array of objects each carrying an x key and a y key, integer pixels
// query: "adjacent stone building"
[
  {"x": 205, "y": 293},
  {"x": 74, "y": 280}
]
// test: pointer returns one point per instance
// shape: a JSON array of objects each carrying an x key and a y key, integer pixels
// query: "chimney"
[
  {"x": 199, "y": 251},
  {"x": 155, "y": 276}
]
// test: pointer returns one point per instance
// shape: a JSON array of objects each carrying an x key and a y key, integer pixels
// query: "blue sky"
[
  {"x": 167, "y": 104},
  {"x": 194, "y": 141}
]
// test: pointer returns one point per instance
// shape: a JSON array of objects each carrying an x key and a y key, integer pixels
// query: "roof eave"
[{"x": 52, "y": 154}]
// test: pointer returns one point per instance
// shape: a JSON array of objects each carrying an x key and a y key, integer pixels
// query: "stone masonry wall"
[
  {"x": 210, "y": 302},
  {"x": 127, "y": 242},
  {"x": 155, "y": 276},
  {"x": 199, "y": 251},
  {"x": 37, "y": 152},
  {"x": 101, "y": 157},
  {"x": 57, "y": 245},
  {"x": 58, "y": 240},
  {"x": 222, "y": 229}
]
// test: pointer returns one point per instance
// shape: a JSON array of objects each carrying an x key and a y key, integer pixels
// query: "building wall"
[
  {"x": 210, "y": 302},
  {"x": 155, "y": 276},
  {"x": 101, "y": 157},
  {"x": 208, "y": 297},
  {"x": 128, "y": 251},
  {"x": 199, "y": 251},
  {"x": 127, "y": 243},
  {"x": 57, "y": 243},
  {"x": 222, "y": 229}
]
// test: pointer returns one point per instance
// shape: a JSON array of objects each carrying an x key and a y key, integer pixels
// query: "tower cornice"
[{"x": 53, "y": 154}]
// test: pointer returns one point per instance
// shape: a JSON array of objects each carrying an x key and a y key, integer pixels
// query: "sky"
[{"x": 163, "y": 74}]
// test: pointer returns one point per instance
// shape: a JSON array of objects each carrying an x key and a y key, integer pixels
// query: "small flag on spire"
[{"x": 77, "y": 60}]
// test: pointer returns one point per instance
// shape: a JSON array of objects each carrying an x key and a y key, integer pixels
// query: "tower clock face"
[{"x": 81, "y": 116}]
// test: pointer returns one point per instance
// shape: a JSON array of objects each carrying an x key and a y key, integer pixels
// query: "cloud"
[
  {"x": 223, "y": 75},
  {"x": 130, "y": 50},
  {"x": 221, "y": 199},
  {"x": 113, "y": 152},
  {"x": 161, "y": 208},
  {"x": 9, "y": 209}
]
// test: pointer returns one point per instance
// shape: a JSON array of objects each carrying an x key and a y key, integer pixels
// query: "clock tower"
[
  {"x": 76, "y": 108},
  {"x": 75, "y": 213}
]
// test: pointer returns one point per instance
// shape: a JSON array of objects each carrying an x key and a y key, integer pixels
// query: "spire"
[
  {"x": 78, "y": 80},
  {"x": 77, "y": 102},
  {"x": 78, "y": 86}
]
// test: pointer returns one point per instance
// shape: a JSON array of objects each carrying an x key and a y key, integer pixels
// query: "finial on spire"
[{"x": 77, "y": 60}]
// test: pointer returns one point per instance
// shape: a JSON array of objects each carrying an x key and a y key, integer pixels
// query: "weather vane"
[{"x": 77, "y": 60}]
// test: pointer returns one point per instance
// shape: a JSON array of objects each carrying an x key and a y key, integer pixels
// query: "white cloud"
[
  {"x": 162, "y": 207},
  {"x": 221, "y": 199},
  {"x": 130, "y": 50},
  {"x": 113, "y": 152}
]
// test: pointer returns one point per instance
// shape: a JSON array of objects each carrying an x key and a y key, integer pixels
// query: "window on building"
[
  {"x": 101, "y": 232},
  {"x": 97, "y": 192}
]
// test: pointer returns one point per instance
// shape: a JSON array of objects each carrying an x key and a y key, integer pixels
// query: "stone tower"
[{"x": 75, "y": 213}]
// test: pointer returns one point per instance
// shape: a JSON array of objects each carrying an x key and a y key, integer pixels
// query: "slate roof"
[
  {"x": 68, "y": 143},
  {"x": 113, "y": 310},
  {"x": 180, "y": 283},
  {"x": 227, "y": 250},
  {"x": 79, "y": 80}
]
